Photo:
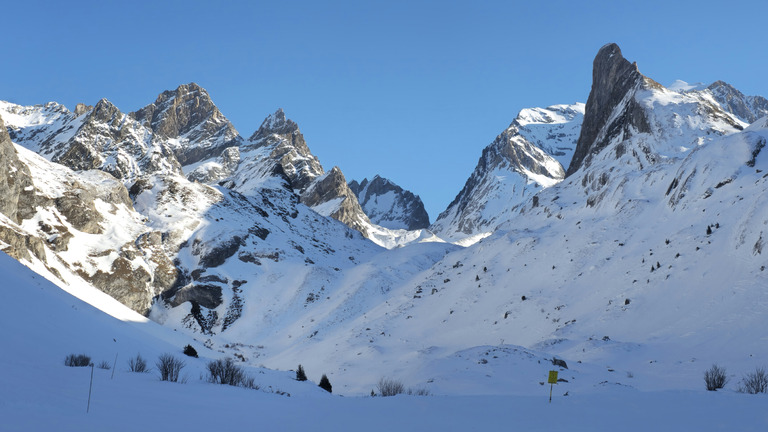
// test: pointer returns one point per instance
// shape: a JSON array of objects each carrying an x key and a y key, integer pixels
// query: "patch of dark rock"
[
  {"x": 206, "y": 295},
  {"x": 220, "y": 253},
  {"x": 559, "y": 363},
  {"x": 248, "y": 257},
  {"x": 259, "y": 232}
]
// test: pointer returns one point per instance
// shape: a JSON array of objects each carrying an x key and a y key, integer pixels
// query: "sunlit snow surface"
[{"x": 37, "y": 392}]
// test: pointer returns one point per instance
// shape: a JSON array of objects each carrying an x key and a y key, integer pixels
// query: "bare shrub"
[
  {"x": 715, "y": 378},
  {"x": 390, "y": 387},
  {"x": 137, "y": 364},
  {"x": 77, "y": 360},
  {"x": 754, "y": 382},
  {"x": 418, "y": 392},
  {"x": 169, "y": 367},
  {"x": 227, "y": 372},
  {"x": 104, "y": 365}
]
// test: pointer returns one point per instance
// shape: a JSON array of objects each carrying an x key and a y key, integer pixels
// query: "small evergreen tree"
[
  {"x": 190, "y": 351},
  {"x": 325, "y": 384},
  {"x": 300, "y": 375}
]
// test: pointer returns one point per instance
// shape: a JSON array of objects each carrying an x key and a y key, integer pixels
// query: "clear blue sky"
[{"x": 410, "y": 90}]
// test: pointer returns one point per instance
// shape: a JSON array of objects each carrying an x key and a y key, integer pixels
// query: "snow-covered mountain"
[
  {"x": 640, "y": 268},
  {"x": 278, "y": 150},
  {"x": 529, "y": 155},
  {"x": 390, "y": 206},
  {"x": 155, "y": 235}
]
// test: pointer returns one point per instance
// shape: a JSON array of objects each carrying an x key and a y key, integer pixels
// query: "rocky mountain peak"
[
  {"x": 288, "y": 149},
  {"x": 746, "y": 108},
  {"x": 189, "y": 114},
  {"x": 614, "y": 81},
  {"x": 104, "y": 112},
  {"x": 526, "y": 157},
  {"x": 276, "y": 123},
  {"x": 175, "y": 112},
  {"x": 389, "y": 205}
]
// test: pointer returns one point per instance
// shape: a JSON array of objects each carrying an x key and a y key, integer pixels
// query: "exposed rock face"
[
  {"x": 106, "y": 139},
  {"x": 281, "y": 136},
  {"x": 16, "y": 185},
  {"x": 223, "y": 167},
  {"x": 389, "y": 205},
  {"x": 330, "y": 196},
  {"x": 746, "y": 108},
  {"x": 631, "y": 117},
  {"x": 15, "y": 177},
  {"x": 189, "y": 116},
  {"x": 614, "y": 83},
  {"x": 81, "y": 109}
]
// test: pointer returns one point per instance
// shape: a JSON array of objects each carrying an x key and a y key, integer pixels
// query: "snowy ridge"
[{"x": 526, "y": 157}]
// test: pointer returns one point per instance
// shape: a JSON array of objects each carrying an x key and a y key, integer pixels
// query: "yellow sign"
[{"x": 552, "y": 377}]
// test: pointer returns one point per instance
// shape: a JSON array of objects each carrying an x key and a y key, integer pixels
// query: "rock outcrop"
[
  {"x": 330, "y": 195},
  {"x": 15, "y": 178},
  {"x": 611, "y": 109}
]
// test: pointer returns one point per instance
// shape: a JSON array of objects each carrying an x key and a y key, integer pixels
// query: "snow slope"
[{"x": 37, "y": 392}]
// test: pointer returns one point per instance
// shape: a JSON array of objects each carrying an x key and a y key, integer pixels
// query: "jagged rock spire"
[
  {"x": 613, "y": 78},
  {"x": 289, "y": 149}
]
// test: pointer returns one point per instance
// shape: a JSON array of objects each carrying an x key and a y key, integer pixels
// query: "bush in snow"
[
  {"x": 78, "y": 360},
  {"x": 300, "y": 374},
  {"x": 325, "y": 384},
  {"x": 755, "y": 382},
  {"x": 137, "y": 364},
  {"x": 190, "y": 351},
  {"x": 227, "y": 372},
  {"x": 104, "y": 365},
  {"x": 390, "y": 387},
  {"x": 169, "y": 367},
  {"x": 715, "y": 378},
  {"x": 418, "y": 392}
]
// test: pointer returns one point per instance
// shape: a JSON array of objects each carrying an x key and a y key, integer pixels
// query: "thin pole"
[
  {"x": 550, "y": 392},
  {"x": 90, "y": 388},
  {"x": 114, "y": 366}
]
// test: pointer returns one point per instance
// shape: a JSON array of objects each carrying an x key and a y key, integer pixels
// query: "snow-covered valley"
[{"x": 618, "y": 242}]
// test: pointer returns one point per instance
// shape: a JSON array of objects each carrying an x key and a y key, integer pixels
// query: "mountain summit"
[
  {"x": 526, "y": 157},
  {"x": 614, "y": 81},
  {"x": 189, "y": 122},
  {"x": 389, "y": 205}
]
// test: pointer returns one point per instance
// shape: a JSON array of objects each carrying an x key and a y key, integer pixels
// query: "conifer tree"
[
  {"x": 300, "y": 375},
  {"x": 325, "y": 384}
]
